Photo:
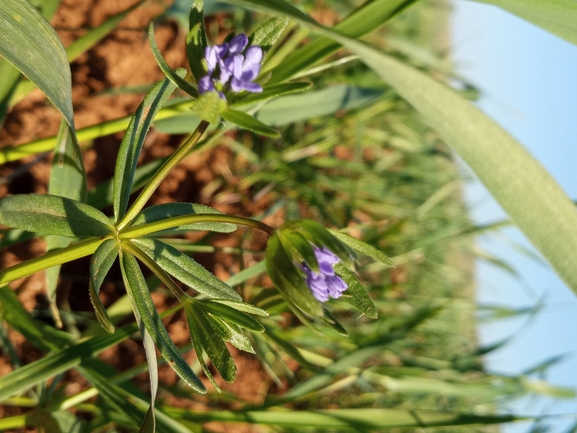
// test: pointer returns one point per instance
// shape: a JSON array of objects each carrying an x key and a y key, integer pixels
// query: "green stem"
[
  {"x": 168, "y": 223},
  {"x": 161, "y": 174},
  {"x": 53, "y": 258}
]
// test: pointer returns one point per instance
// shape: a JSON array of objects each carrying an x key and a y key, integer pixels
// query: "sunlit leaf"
[
  {"x": 30, "y": 43},
  {"x": 132, "y": 144},
  {"x": 53, "y": 215},
  {"x": 556, "y": 16}
]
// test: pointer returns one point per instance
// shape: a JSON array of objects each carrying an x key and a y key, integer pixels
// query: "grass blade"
[
  {"x": 30, "y": 43},
  {"x": 132, "y": 144},
  {"x": 556, "y": 16}
]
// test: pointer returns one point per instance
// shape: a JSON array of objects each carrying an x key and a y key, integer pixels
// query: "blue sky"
[{"x": 528, "y": 81}]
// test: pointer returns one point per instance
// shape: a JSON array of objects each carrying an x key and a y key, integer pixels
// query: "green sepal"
[
  {"x": 246, "y": 121},
  {"x": 321, "y": 237},
  {"x": 268, "y": 33},
  {"x": 298, "y": 245},
  {"x": 288, "y": 279},
  {"x": 209, "y": 106},
  {"x": 363, "y": 247},
  {"x": 168, "y": 210},
  {"x": 268, "y": 92},
  {"x": 200, "y": 324},
  {"x": 185, "y": 269},
  {"x": 356, "y": 295},
  {"x": 331, "y": 321},
  {"x": 230, "y": 314},
  {"x": 196, "y": 40},
  {"x": 142, "y": 302},
  {"x": 53, "y": 215},
  {"x": 100, "y": 263},
  {"x": 175, "y": 77}
]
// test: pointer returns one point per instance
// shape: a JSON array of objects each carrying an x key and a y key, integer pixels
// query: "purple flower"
[
  {"x": 231, "y": 66},
  {"x": 324, "y": 283}
]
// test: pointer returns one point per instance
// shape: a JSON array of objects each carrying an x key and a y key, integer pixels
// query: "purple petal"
[
  {"x": 211, "y": 56},
  {"x": 326, "y": 255},
  {"x": 205, "y": 85},
  {"x": 226, "y": 69},
  {"x": 237, "y": 44},
  {"x": 237, "y": 66},
  {"x": 253, "y": 55},
  {"x": 238, "y": 85},
  {"x": 326, "y": 268},
  {"x": 249, "y": 73}
]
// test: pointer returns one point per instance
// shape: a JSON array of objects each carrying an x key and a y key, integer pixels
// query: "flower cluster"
[
  {"x": 324, "y": 283},
  {"x": 231, "y": 66}
]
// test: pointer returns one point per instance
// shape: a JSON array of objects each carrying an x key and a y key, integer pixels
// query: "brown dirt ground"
[{"x": 124, "y": 59}]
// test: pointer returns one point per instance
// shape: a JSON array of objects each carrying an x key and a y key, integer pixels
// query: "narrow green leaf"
[
  {"x": 268, "y": 92},
  {"x": 100, "y": 263},
  {"x": 288, "y": 279},
  {"x": 112, "y": 395},
  {"x": 348, "y": 419},
  {"x": 289, "y": 348},
  {"x": 149, "y": 422},
  {"x": 143, "y": 305},
  {"x": 13, "y": 153},
  {"x": 233, "y": 334},
  {"x": 556, "y": 16},
  {"x": 67, "y": 179},
  {"x": 363, "y": 247},
  {"x": 324, "y": 102},
  {"x": 356, "y": 295},
  {"x": 371, "y": 15},
  {"x": 38, "y": 371},
  {"x": 232, "y": 315},
  {"x": 185, "y": 269},
  {"x": 30, "y": 43},
  {"x": 268, "y": 33},
  {"x": 246, "y": 274},
  {"x": 41, "y": 335},
  {"x": 167, "y": 210},
  {"x": 10, "y": 79},
  {"x": 246, "y": 121},
  {"x": 175, "y": 77},
  {"x": 332, "y": 321},
  {"x": 242, "y": 306},
  {"x": 53, "y": 215},
  {"x": 197, "y": 345},
  {"x": 196, "y": 40},
  {"x": 53, "y": 258},
  {"x": 201, "y": 325},
  {"x": 132, "y": 144}
]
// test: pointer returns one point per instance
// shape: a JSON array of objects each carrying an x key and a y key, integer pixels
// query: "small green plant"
[{"x": 227, "y": 76}]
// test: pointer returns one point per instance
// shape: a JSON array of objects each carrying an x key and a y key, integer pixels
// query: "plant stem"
[
  {"x": 161, "y": 174},
  {"x": 168, "y": 223}
]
